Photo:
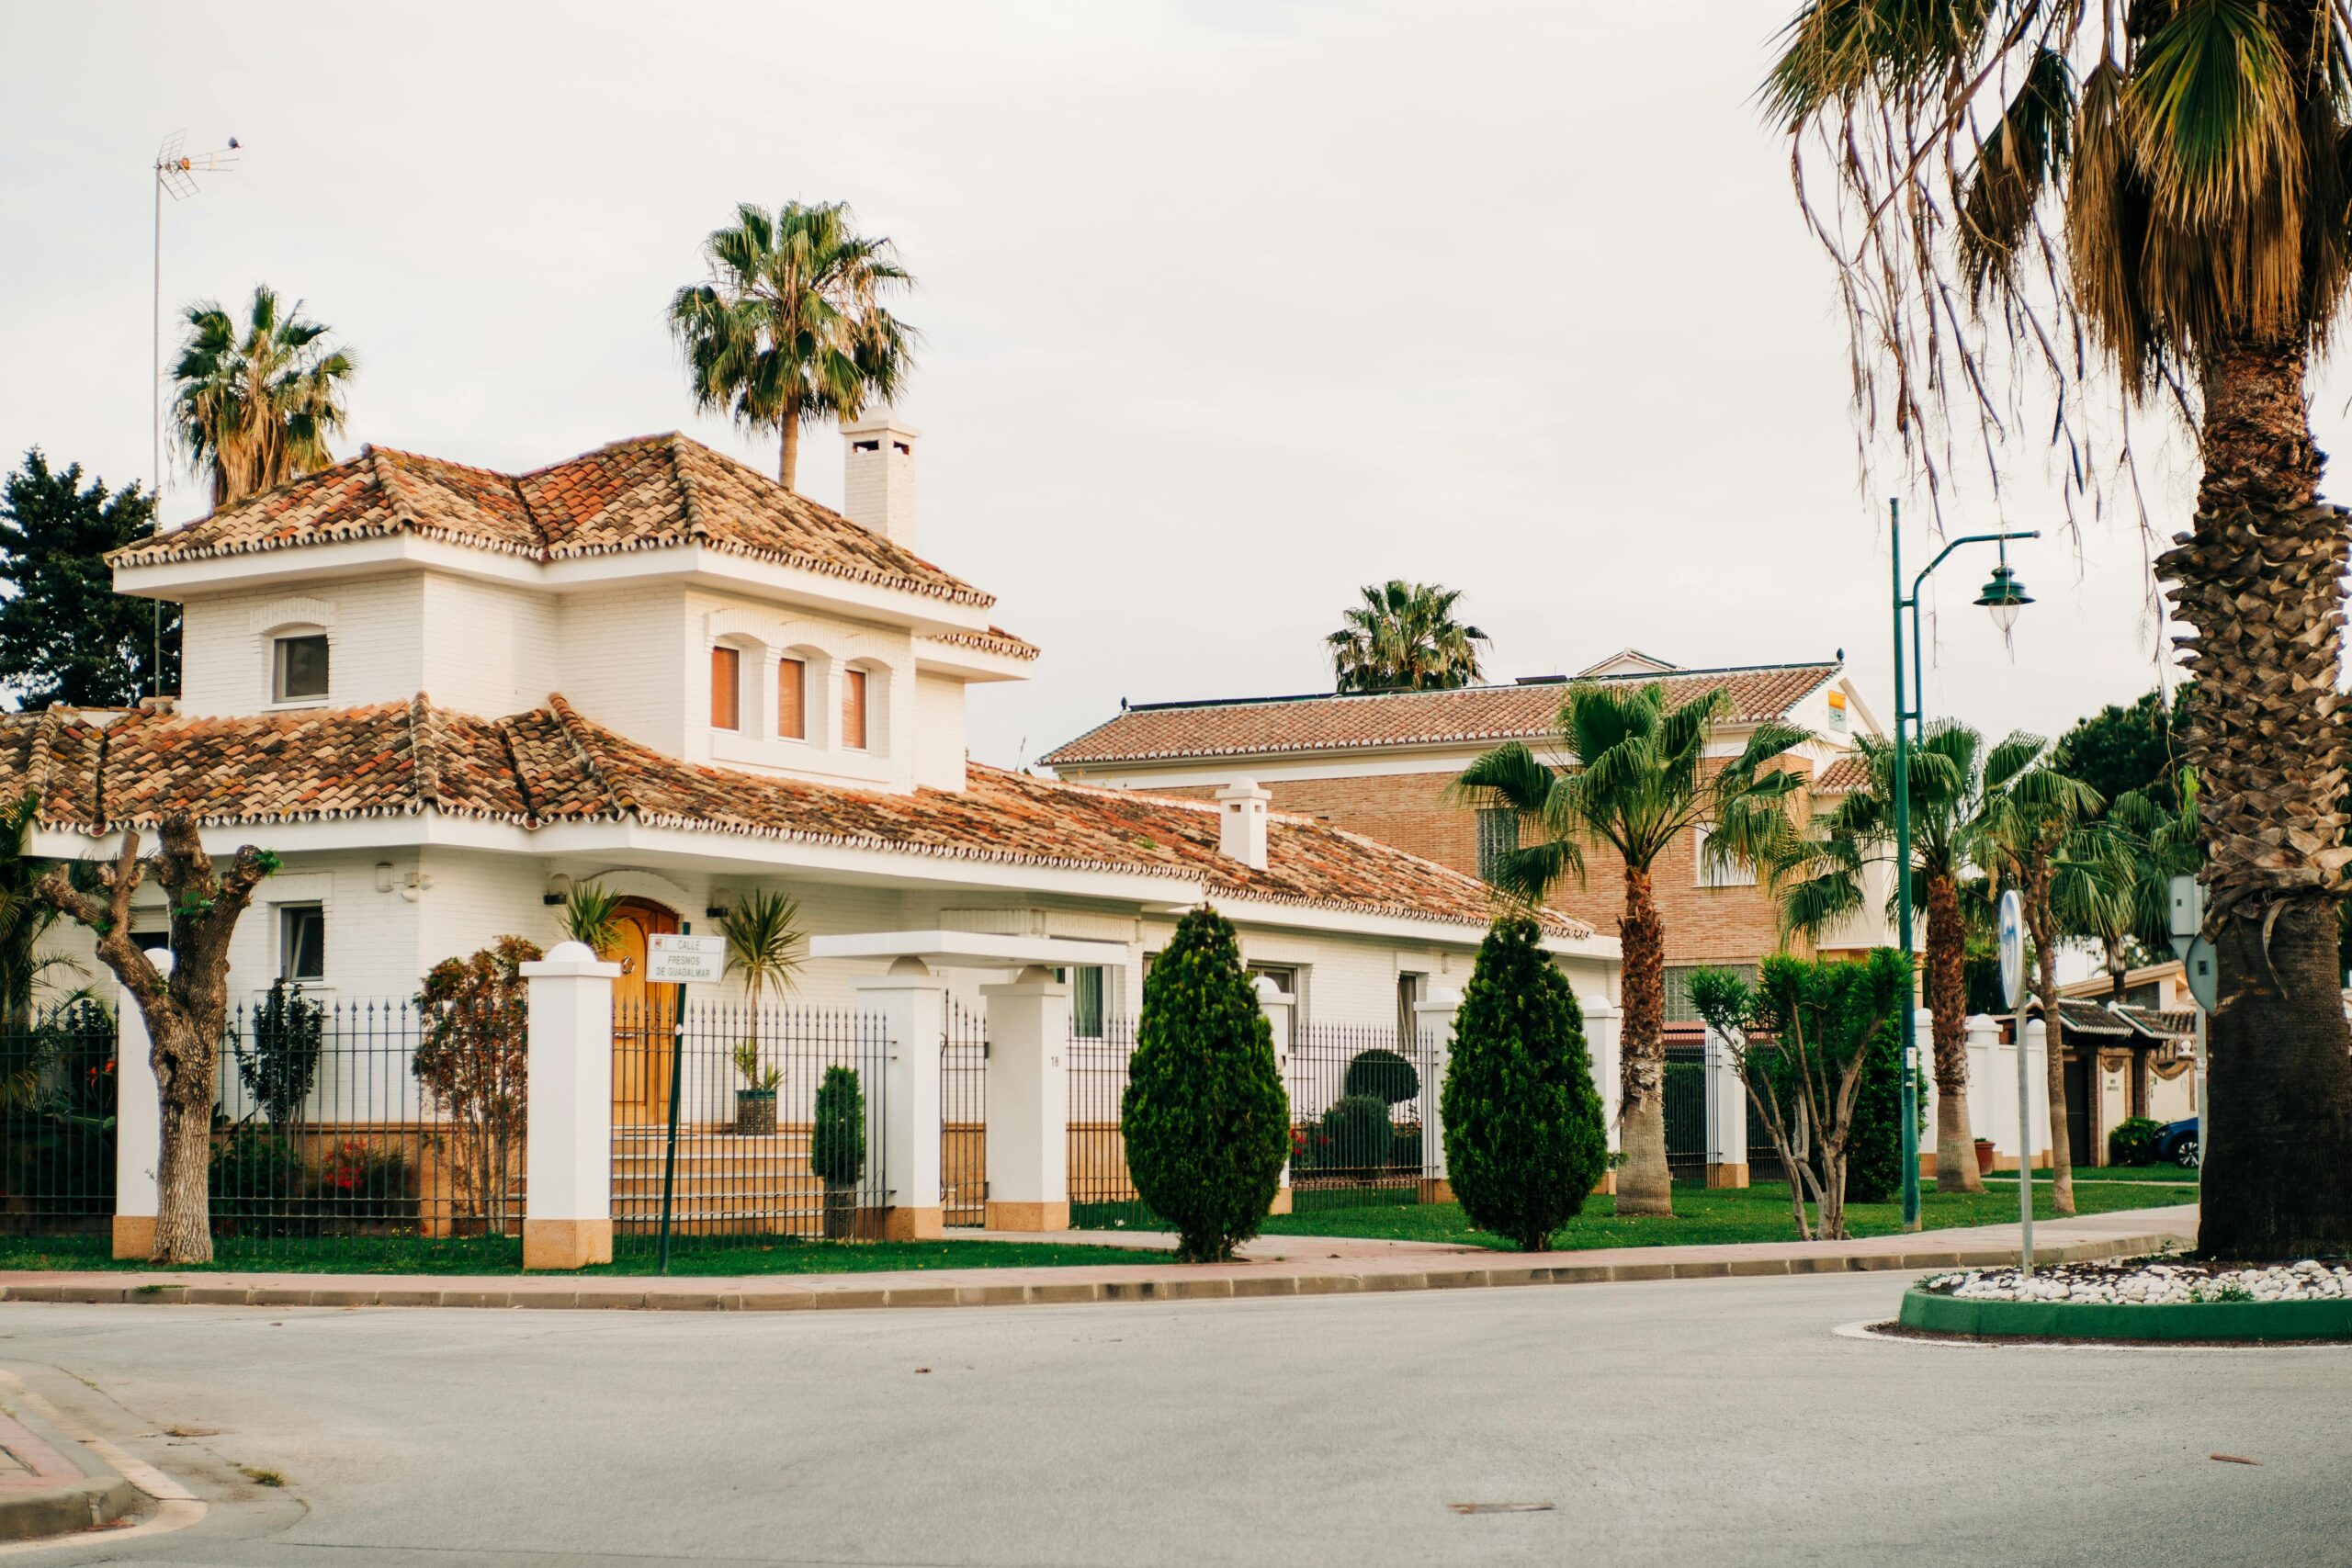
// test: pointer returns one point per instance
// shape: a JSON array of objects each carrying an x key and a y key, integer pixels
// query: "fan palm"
[
  {"x": 254, "y": 401},
  {"x": 1404, "y": 638},
  {"x": 2115, "y": 885},
  {"x": 2147, "y": 201},
  {"x": 1827, "y": 881},
  {"x": 790, "y": 327},
  {"x": 763, "y": 937},
  {"x": 1632, "y": 775}
]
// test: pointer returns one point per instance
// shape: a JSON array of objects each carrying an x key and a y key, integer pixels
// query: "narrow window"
[
  {"x": 302, "y": 941},
  {"x": 726, "y": 688},
  {"x": 1409, "y": 998},
  {"x": 1497, "y": 839},
  {"x": 1086, "y": 991},
  {"x": 854, "y": 709},
  {"x": 791, "y": 699},
  {"x": 299, "y": 669}
]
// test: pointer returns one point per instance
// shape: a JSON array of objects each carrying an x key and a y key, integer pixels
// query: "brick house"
[{"x": 1381, "y": 763}]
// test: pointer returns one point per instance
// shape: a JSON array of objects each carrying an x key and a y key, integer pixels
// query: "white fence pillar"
[
  {"x": 138, "y": 1126},
  {"x": 1603, "y": 1020},
  {"x": 1727, "y": 1116},
  {"x": 1028, "y": 1099},
  {"x": 1434, "y": 1022},
  {"x": 568, "y": 1148},
  {"x": 912, "y": 1002},
  {"x": 2037, "y": 1070},
  {"x": 1922, "y": 1060},
  {"x": 1985, "y": 1095},
  {"x": 1279, "y": 1010}
]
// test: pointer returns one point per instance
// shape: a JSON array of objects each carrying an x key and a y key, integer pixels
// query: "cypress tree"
[
  {"x": 1524, "y": 1138},
  {"x": 1205, "y": 1119}
]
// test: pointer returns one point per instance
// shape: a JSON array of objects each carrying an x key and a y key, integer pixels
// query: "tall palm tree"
[
  {"x": 2031, "y": 822},
  {"x": 790, "y": 327},
  {"x": 2143, "y": 202},
  {"x": 1632, "y": 775},
  {"x": 2115, "y": 887},
  {"x": 254, "y": 401},
  {"x": 1404, "y": 638},
  {"x": 1827, "y": 881}
]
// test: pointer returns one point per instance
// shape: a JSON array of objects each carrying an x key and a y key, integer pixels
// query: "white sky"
[{"x": 1229, "y": 307}]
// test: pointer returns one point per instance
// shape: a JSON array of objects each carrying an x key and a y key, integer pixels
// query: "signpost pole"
[{"x": 682, "y": 960}]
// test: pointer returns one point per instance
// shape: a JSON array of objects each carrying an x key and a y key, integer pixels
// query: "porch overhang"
[{"x": 968, "y": 950}]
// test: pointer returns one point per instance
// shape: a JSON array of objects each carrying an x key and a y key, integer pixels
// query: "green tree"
[
  {"x": 475, "y": 1060},
  {"x": 1828, "y": 879},
  {"x": 65, "y": 635},
  {"x": 2125, "y": 750},
  {"x": 2145, "y": 205},
  {"x": 837, "y": 1146},
  {"x": 254, "y": 401},
  {"x": 1525, "y": 1139},
  {"x": 1404, "y": 638},
  {"x": 789, "y": 328},
  {"x": 1633, "y": 775},
  {"x": 1205, "y": 1119}
]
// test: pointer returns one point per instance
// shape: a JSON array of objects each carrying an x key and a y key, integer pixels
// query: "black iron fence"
[
  {"x": 1101, "y": 1194},
  {"x": 963, "y": 1116},
  {"x": 1356, "y": 1108},
  {"x": 1686, "y": 1112},
  {"x": 781, "y": 1122},
  {"x": 57, "y": 1121}
]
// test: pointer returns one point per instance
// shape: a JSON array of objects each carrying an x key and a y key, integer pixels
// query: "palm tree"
[
  {"x": 789, "y": 328},
  {"x": 592, "y": 916},
  {"x": 1827, "y": 881},
  {"x": 1632, "y": 774},
  {"x": 2030, "y": 821},
  {"x": 2144, "y": 203},
  {"x": 1404, "y": 638},
  {"x": 2115, "y": 887},
  {"x": 763, "y": 937},
  {"x": 254, "y": 403}
]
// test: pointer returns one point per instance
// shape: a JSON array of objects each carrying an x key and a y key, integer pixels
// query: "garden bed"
[{"x": 2143, "y": 1300}]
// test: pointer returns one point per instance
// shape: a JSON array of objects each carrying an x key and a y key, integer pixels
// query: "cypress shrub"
[
  {"x": 1206, "y": 1122},
  {"x": 837, "y": 1146},
  {"x": 1383, "y": 1074},
  {"x": 1354, "y": 1134},
  {"x": 1524, "y": 1138},
  {"x": 1874, "y": 1148}
]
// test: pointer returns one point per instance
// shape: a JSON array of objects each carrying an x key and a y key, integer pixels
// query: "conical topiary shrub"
[
  {"x": 1524, "y": 1138},
  {"x": 1206, "y": 1120}
]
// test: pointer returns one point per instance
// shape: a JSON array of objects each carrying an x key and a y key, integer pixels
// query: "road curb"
[
  {"x": 804, "y": 1292},
  {"x": 81, "y": 1493}
]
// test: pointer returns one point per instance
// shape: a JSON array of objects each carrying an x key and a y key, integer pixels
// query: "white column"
[
  {"x": 912, "y": 1002},
  {"x": 1433, "y": 1021},
  {"x": 1603, "y": 1020},
  {"x": 138, "y": 1124},
  {"x": 1028, "y": 1092},
  {"x": 1279, "y": 1010},
  {"x": 1727, "y": 1116},
  {"x": 1923, "y": 1058},
  {"x": 1985, "y": 1055},
  {"x": 2037, "y": 1070},
  {"x": 568, "y": 1152}
]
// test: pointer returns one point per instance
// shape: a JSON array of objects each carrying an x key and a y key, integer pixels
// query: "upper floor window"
[
  {"x": 726, "y": 687},
  {"x": 302, "y": 941},
  {"x": 1498, "y": 838},
  {"x": 299, "y": 668},
  {"x": 1736, "y": 874},
  {"x": 792, "y": 699},
  {"x": 854, "y": 709}
]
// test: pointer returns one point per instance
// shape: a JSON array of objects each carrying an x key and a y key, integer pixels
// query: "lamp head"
[{"x": 2004, "y": 596}]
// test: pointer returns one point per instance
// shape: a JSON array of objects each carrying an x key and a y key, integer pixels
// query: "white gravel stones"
[{"x": 2147, "y": 1283}]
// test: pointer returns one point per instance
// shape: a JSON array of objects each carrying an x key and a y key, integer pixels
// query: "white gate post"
[
  {"x": 1279, "y": 1010},
  {"x": 1727, "y": 1116},
  {"x": 1603, "y": 1020},
  {"x": 1923, "y": 1050},
  {"x": 2036, "y": 1047},
  {"x": 1985, "y": 1117},
  {"x": 913, "y": 1001},
  {"x": 138, "y": 1124},
  {"x": 1028, "y": 1097},
  {"x": 568, "y": 1145},
  {"x": 1433, "y": 1021}
]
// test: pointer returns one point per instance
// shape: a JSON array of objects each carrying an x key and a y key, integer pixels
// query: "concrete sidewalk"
[
  {"x": 1282, "y": 1266},
  {"x": 50, "y": 1484}
]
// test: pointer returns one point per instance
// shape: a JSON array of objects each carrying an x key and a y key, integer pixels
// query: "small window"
[
  {"x": 1409, "y": 1001},
  {"x": 854, "y": 709},
  {"x": 1738, "y": 874},
  {"x": 791, "y": 699},
  {"x": 1679, "y": 1008},
  {"x": 299, "y": 671},
  {"x": 726, "y": 688},
  {"x": 1498, "y": 838},
  {"x": 302, "y": 941},
  {"x": 1087, "y": 990},
  {"x": 157, "y": 940}
]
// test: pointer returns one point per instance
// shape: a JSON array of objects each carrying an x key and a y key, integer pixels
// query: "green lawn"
[
  {"x": 477, "y": 1255},
  {"x": 2166, "y": 1173},
  {"x": 1704, "y": 1216}
]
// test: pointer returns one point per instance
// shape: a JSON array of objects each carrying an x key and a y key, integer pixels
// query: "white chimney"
[
  {"x": 878, "y": 475},
  {"x": 1241, "y": 822}
]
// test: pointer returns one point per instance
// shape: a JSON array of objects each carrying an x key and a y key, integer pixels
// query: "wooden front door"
[{"x": 642, "y": 1016}]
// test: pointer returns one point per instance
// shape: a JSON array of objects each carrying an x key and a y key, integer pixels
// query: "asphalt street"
[{"x": 1711, "y": 1421}]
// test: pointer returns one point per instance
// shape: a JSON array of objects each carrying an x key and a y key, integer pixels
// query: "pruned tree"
[
  {"x": 475, "y": 1059},
  {"x": 185, "y": 1012}
]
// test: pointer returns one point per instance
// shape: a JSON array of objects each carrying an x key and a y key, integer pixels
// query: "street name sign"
[{"x": 674, "y": 959}]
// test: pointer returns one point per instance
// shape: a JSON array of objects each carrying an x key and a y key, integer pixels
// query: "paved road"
[{"x": 1694, "y": 1422}]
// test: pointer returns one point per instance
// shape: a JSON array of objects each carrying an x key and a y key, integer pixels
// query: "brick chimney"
[
  {"x": 1241, "y": 822},
  {"x": 878, "y": 475}
]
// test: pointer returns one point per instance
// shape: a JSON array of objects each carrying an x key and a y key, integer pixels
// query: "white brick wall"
[
  {"x": 938, "y": 731},
  {"x": 375, "y": 650}
]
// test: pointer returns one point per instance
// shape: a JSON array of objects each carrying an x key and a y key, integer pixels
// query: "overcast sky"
[{"x": 1227, "y": 308}]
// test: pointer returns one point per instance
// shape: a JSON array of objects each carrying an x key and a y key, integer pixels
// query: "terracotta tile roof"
[
  {"x": 551, "y": 765},
  {"x": 996, "y": 639},
  {"x": 1276, "y": 726},
  {"x": 1842, "y": 776},
  {"x": 2079, "y": 1015},
  {"x": 647, "y": 494}
]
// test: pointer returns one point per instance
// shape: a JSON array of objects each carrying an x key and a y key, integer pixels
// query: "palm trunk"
[
  {"x": 787, "y": 463},
  {"x": 1644, "y": 1183},
  {"x": 2117, "y": 967},
  {"x": 2260, "y": 578},
  {"x": 1947, "y": 1002},
  {"x": 184, "y": 1071},
  {"x": 2044, "y": 927}
]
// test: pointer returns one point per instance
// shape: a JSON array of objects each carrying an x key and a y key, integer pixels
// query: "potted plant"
[
  {"x": 1984, "y": 1156},
  {"x": 837, "y": 1147},
  {"x": 755, "y": 1100}
]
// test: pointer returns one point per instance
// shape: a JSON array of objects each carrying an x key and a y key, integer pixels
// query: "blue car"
[{"x": 2177, "y": 1142}]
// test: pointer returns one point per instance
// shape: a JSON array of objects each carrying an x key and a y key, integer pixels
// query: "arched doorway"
[{"x": 642, "y": 1016}]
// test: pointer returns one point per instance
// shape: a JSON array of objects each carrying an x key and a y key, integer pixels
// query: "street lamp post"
[{"x": 2004, "y": 596}]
